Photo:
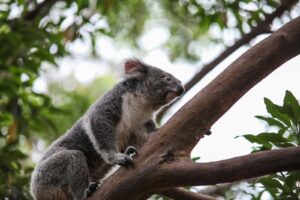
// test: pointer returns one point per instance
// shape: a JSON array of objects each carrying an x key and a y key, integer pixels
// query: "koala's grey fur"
[{"x": 121, "y": 118}]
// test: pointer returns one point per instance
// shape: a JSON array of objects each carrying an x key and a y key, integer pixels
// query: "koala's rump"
[{"x": 52, "y": 178}]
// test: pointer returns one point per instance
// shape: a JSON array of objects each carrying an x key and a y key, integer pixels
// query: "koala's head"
[{"x": 158, "y": 86}]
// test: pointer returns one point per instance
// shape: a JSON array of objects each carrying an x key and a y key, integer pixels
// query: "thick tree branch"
[
  {"x": 234, "y": 169},
  {"x": 182, "y": 194},
  {"x": 175, "y": 140},
  {"x": 262, "y": 27},
  {"x": 39, "y": 9}
]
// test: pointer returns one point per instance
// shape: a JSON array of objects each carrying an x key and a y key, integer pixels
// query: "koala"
[{"x": 113, "y": 127}]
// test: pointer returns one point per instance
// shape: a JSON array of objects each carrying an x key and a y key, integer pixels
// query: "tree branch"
[
  {"x": 182, "y": 194},
  {"x": 261, "y": 28},
  {"x": 39, "y": 9},
  {"x": 235, "y": 169},
  {"x": 175, "y": 140}
]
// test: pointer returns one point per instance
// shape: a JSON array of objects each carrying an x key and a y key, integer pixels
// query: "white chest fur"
[{"x": 135, "y": 113}]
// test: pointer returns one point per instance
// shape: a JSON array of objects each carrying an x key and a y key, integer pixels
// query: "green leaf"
[
  {"x": 291, "y": 101},
  {"x": 282, "y": 131},
  {"x": 4, "y": 29},
  {"x": 258, "y": 197},
  {"x": 5, "y": 119},
  {"x": 292, "y": 138},
  {"x": 292, "y": 179},
  {"x": 277, "y": 112},
  {"x": 270, "y": 182},
  {"x": 285, "y": 144},
  {"x": 272, "y": 137},
  {"x": 20, "y": 2},
  {"x": 195, "y": 158},
  {"x": 271, "y": 121},
  {"x": 251, "y": 138},
  {"x": 274, "y": 193},
  {"x": 258, "y": 140}
]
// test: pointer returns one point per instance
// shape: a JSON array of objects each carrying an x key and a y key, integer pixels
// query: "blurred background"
[{"x": 57, "y": 57}]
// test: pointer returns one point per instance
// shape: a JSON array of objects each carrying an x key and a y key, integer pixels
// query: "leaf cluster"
[
  {"x": 191, "y": 20},
  {"x": 285, "y": 120}
]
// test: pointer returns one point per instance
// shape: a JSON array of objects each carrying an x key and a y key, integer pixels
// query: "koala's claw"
[
  {"x": 93, "y": 186},
  {"x": 131, "y": 150},
  {"x": 123, "y": 160},
  {"x": 127, "y": 161}
]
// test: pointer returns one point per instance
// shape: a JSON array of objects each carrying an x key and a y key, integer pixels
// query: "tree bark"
[
  {"x": 185, "y": 173},
  {"x": 262, "y": 27},
  {"x": 172, "y": 144}
]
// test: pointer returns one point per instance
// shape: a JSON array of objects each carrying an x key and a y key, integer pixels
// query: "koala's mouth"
[
  {"x": 173, "y": 93},
  {"x": 170, "y": 96}
]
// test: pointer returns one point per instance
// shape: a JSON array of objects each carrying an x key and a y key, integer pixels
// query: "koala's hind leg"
[
  {"x": 78, "y": 176},
  {"x": 62, "y": 176}
]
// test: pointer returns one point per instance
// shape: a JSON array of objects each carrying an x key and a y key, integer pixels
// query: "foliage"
[
  {"x": 23, "y": 112},
  {"x": 27, "y": 43},
  {"x": 285, "y": 123},
  {"x": 189, "y": 22}
]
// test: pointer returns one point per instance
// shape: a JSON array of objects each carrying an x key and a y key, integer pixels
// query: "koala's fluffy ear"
[{"x": 134, "y": 68}]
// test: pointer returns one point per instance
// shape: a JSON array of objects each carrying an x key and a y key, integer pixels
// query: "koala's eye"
[{"x": 167, "y": 79}]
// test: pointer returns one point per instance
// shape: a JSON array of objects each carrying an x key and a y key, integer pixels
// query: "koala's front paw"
[
  {"x": 93, "y": 186},
  {"x": 123, "y": 160},
  {"x": 131, "y": 150}
]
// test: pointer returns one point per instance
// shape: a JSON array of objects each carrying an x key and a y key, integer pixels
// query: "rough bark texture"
[
  {"x": 164, "y": 160},
  {"x": 229, "y": 170},
  {"x": 262, "y": 27}
]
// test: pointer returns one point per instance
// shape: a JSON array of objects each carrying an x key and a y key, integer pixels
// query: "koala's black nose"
[{"x": 179, "y": 90}]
